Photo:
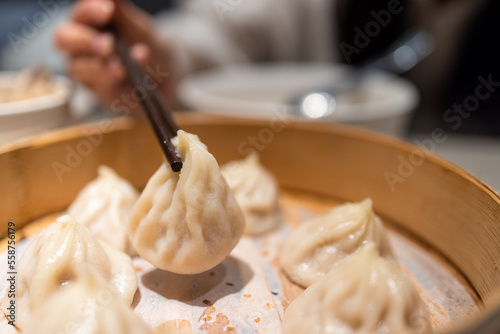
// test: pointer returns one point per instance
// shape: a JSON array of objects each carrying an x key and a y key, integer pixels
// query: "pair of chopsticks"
[{"x": 159, "y": 115}]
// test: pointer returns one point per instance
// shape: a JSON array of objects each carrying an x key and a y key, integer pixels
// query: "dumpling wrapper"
[
  {"x": 53, "y": 259},
  {"x": 256, "y": 191},
  {"x": 315, "y": 246},
  {"x": 104, "y": 207},
  {"x": 363, "y": 293},
  {"x": 86, "y": 307},
  {"x": 187, "y": 222}
]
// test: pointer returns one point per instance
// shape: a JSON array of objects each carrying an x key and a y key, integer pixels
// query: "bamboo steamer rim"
[{"x": 16, "y": 155}]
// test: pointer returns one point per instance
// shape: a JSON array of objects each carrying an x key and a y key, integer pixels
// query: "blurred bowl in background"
[
  {"x": 382, "y": 102},
  {"x": 34, "y": 115}
]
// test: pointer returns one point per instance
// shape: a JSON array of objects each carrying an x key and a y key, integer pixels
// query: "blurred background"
[{"x": 251, "y": 58}]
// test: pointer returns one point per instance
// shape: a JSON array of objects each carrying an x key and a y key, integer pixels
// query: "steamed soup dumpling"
[
  {"x": 315, "y": 246},
  {"x": 104, "y": 207},
  {"x": 363, "y": 293},
  {"x": 86, "y": 307},
  {"x": 54, "y": 258},
  {"x": 187, "y": 222},
  {"x": 256, "y": 191}
]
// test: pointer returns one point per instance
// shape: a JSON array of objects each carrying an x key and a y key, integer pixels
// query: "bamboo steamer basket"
[{"x": 453, "y": 214}]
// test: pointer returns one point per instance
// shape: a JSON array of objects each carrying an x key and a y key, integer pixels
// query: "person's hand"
[{"x": 91, "y": 58}]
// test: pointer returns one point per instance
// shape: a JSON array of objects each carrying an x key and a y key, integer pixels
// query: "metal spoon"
[{"x": 401, "y": 56}]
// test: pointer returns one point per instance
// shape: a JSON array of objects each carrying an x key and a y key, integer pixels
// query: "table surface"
[{"x": 479, "y": 155}]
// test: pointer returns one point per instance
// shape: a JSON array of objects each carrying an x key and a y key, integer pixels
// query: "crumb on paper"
[
  {"x": 217, "y": 326},
  {"x": 181, "y": 325},
  {"x": 207, "y": 312}
]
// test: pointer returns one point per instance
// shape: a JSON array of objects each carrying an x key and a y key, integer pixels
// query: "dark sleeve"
[
  {"x": 366, "y": 28},
  {"x": 478, "y": 64}
]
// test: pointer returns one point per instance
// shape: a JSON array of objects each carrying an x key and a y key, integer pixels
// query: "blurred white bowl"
[
  {"x": 35, "y": 115},
  {"x": 382, "y": 103}
]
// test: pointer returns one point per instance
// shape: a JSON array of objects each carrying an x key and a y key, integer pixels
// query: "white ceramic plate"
[{"x": 382, "y": 103}]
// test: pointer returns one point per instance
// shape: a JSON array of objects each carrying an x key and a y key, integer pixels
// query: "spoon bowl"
[{"x": 402, "y": 56}]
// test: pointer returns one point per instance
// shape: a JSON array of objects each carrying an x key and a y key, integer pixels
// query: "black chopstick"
[{"x": 159, "y": 115}]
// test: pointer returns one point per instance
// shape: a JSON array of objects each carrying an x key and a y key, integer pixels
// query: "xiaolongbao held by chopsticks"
[
  {"x": 363, "y": 293},
  {"x": 256, "y": 191},
  {"x": 104, "y": 207},
  {"x": 87, "y": 306},
  {"x": 53, "y": 260},
  {"x": 187, "y": 222},
  {"x": 315, "y": 246}
]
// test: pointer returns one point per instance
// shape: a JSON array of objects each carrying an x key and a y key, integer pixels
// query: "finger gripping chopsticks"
[{"x": 159, "y": 115}]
